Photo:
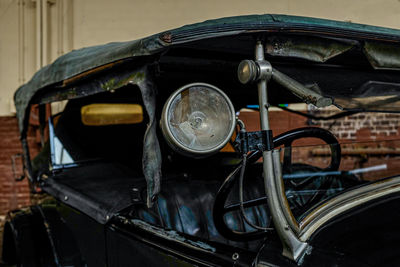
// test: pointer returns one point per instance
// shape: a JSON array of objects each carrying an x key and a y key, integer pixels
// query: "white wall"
[
  {"x": 73, "y": 24},
  {"x": 8, "y": 53}
]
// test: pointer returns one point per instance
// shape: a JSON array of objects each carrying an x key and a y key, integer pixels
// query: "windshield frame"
[
  {"x": 327, "y": 210},
  {"x": 52, "y": 136},
  {"x": 344, "y": 202}
]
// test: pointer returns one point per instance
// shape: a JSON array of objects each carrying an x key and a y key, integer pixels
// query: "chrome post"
[
  {"x": 293, "y": 248},
  {"x": 265, "y": 73}
]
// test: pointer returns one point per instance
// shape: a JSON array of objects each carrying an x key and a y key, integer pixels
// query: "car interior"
[{"x": 107, "y": 175}]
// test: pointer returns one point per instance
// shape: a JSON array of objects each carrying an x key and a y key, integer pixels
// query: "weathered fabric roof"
[{"x": 92, "y": 59}]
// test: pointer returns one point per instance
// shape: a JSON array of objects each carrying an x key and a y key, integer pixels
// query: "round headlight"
[{"x": 198, "y": 120}]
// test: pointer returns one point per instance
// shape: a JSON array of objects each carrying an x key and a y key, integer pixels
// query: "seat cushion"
[{"x": 187, "y": 207}]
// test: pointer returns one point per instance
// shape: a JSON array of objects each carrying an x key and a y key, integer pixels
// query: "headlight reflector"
[{"x": 198, "y": 120}]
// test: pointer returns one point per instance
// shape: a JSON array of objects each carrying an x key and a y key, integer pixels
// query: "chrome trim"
[
  {"x": 280, "y": 187},
  {"x": 345, "y": 202},
  {"x": 262, "y": 89},
  {"x": 293, "y": 248},
  {"x": 281, "y": 214},
  {"x": 247, "y": 71}
]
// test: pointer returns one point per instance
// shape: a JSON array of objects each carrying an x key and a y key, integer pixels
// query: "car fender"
[{"x": 37, "y": 236}]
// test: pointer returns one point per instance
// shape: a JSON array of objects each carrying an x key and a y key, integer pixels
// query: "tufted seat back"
[{"x": 186, "y": 206}]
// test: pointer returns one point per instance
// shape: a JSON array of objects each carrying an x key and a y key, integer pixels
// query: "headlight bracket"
[{"x": 252, "y": 141}]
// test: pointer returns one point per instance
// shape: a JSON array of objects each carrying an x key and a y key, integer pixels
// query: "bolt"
[
  {"x": 235, "y": 256},
  {"x": 66, "y": 198}
]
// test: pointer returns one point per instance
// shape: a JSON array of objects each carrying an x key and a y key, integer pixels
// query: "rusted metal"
[
  {"x": 307, "y": 47},
  {"x": 304, "y": 93},
  {"x": 383, "y": 55},
  {"x": 166, "y": 37}
]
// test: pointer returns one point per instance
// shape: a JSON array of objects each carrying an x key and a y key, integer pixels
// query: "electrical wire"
[{"x": 241, "y": 181}]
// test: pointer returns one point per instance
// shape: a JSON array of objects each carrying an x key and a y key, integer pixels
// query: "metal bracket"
[
  {"x": 136, "y": 196},
  {"x": 261, "y": 70},
  {"x": 14, "y": 167},
  {"x": 251, "y": 141}
]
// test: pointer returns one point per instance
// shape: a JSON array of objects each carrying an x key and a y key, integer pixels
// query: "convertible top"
[{"x": 58, "y": 77}]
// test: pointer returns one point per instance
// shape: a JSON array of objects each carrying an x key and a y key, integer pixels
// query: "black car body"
[{"x": 121, "y": 196}]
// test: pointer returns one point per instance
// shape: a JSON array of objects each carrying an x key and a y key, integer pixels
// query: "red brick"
[{"x": 12, "y": 194}]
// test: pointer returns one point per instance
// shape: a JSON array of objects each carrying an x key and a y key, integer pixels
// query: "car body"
[{"x": 118, "y": 195}]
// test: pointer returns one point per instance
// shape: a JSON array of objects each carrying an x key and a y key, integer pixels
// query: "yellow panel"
[{"x": 111, "y": 114}]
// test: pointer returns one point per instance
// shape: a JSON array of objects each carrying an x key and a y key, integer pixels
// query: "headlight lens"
[{"x": 198, "y": 120}]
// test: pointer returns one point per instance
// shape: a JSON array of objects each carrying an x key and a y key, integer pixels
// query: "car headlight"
[{"x": 198, "y": 120}]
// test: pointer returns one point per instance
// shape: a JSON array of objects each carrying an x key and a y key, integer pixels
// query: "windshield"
[
  {"x": 371, "y": 96},
  {"x": 314, "y": 174},
  {"x": 73, "y": 141}
]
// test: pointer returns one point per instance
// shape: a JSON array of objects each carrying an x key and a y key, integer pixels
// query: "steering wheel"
[{"x": 286, "y": 139}]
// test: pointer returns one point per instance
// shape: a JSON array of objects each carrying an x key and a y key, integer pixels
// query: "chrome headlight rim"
[{"x": 174, "y": 143}]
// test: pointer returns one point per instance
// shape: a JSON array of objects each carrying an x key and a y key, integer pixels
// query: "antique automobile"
[{"x": 147, "y": 159}]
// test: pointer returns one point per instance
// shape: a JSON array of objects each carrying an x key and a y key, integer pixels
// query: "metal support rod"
[
  {"x": 293, "y": 248},
  {"x": 305, "y": 94},
  {"x": 280, "y": 191},
  {"x": 262, "y": 90}
]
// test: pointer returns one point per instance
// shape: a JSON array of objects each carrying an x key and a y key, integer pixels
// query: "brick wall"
[
  {"x": 384, "y": 128},
  {"x": 13, "y": 194},
  {"x": 357, "y": 127},
  {"x": 362, "y": 126}
]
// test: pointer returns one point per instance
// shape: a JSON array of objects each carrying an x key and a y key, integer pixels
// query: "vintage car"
[{"x": 146, "y": 158}]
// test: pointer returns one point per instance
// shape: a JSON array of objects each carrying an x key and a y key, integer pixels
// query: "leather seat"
[{"x": 186, "y": 206}]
